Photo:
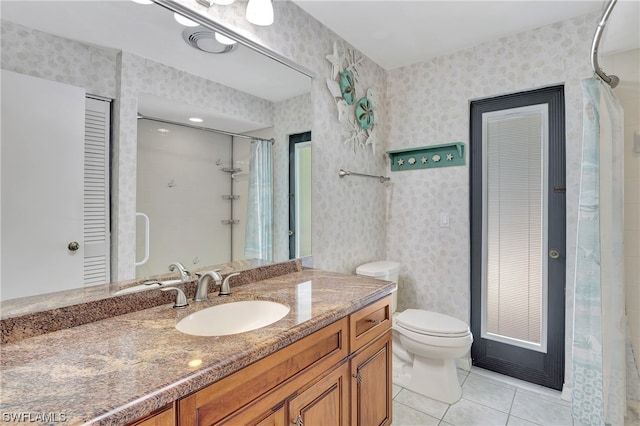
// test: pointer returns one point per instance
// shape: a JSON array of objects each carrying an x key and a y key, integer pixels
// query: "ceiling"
[{"x": 398, "y": 33}]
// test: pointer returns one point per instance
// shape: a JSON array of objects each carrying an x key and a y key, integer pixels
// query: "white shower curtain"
[
  {"x": 258, "y": 243},
  {"x": 599, "y": 351}
]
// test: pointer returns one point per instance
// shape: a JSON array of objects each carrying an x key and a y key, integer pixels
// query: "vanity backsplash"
[{"x": 33, "y": 316}]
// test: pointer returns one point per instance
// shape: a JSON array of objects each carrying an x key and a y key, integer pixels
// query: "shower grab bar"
[
  {"x": 146, "y": 238},
  {"x": 342, "y": 173},
  {"x": 611, "y": 80}
]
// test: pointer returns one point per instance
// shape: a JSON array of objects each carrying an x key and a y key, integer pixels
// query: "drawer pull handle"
[{"x": 375, "y": 321}]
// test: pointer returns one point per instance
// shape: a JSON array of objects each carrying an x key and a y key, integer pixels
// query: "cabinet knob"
[
  {"x": 298, "y": 421},
  {"x": 73, "y": 246},
  {"x": 358, "y": 377}
]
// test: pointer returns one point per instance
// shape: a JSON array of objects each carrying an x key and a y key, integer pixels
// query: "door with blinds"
[{"x": 518, "y": 235}]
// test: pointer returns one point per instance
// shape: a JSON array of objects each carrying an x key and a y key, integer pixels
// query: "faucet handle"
[
  {"x": 225, "y": 288},
  {"x": 181, "y": 299}
]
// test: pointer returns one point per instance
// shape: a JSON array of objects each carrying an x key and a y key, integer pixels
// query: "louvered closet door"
[{"x": 96, "y": 192}]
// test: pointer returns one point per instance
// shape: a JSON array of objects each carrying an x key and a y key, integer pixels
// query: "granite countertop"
[{"x": 116, "y": 370}]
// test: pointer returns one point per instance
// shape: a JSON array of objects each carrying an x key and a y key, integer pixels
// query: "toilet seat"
[{"x": 431, "y": 324}]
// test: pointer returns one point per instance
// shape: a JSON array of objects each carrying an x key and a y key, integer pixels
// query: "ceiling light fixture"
[
  {"x": 224, "y": 39},
  {"x": 196, "y": 119},
  {"x": 143, "y": 1},
  {"x": 260, "y": 12},
  {"x": 223, "y": 2},
  {"x": 184, "y": 21}
]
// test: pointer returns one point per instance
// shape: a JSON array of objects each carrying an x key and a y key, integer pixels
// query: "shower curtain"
[
  {"x": 599, "y": 347},
  {"x": 258, "y": 242}
]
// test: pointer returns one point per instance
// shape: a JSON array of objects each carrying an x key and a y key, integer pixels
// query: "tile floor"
[{"x": 487, "y": 399}]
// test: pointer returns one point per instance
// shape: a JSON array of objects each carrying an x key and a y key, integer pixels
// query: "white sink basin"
[{"x": 232, "y": 318}]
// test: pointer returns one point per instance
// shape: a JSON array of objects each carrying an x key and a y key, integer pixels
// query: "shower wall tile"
[{"x": 429, "y": 104}]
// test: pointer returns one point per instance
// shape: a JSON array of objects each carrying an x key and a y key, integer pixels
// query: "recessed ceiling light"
[
  {"x": 184, "y": 21},
  {"x": 143, "y": 1},
  {"x": 163, "y": 130},
  {"x": 196, "y": 119},
  {"x": 224, "y": 39}
]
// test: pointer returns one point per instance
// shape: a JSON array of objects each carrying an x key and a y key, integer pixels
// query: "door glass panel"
[{"x": 514, "y": 230}]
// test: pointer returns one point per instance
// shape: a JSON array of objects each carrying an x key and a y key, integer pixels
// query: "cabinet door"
[
  {"x": 324, "y": 403},
  {"x": 163, "y": 418},
  {"x": 371, "y": 384}
]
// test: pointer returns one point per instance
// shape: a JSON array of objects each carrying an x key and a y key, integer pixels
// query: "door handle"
[{"x": 554, "y": 254}]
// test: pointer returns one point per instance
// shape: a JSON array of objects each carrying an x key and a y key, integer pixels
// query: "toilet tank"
[{"x": 383, "y": 270}]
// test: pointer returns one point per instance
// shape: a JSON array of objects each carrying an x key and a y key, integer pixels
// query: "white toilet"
[{"x": 425, "y": 344}]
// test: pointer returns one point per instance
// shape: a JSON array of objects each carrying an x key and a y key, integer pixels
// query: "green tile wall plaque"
[{"x": 427, "y": 157}]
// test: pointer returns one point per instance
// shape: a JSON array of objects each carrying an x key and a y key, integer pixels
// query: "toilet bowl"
[{"x": 426, "y": 344}]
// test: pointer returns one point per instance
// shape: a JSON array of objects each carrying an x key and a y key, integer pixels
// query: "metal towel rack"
[
  {"x": 611, "y": 80},
  {"x": 342, "y": 173}
]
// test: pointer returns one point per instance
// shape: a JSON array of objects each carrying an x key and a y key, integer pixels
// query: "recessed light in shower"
[{"x": 196, "y": 119}]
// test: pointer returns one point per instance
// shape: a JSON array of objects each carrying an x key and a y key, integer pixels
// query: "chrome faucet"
[
  {"x": 225, "y": 288},
  {"x": 202, "y": 290},
  {"x": 181, "y": 299},
  {"x": 185, "y": 275}
]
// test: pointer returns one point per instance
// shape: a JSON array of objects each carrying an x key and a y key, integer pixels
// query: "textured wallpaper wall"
[
  {"x": 428, "y": 103},
  {"x": 39, "y": 54}
]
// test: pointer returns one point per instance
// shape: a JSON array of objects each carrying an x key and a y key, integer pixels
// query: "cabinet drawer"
[
  {"x": 369, "y": 323},
  {"x": 297, "y": 363}
]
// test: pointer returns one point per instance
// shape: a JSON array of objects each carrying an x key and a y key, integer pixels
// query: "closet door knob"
[
  {"x": 554, "y": 254},
  {"x": 73, "y": 246}
]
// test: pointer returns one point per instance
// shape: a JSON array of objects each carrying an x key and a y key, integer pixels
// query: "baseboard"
[{"x": 566, "y": 393}]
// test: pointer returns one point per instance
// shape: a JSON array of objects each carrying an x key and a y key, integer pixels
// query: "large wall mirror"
[{"x": 102, "y": 93}]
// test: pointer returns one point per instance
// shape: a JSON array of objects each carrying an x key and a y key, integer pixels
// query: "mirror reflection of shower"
[{"x": 192, "y": 184}]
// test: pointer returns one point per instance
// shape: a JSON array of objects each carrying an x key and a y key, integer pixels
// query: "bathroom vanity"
[{"x": 329, "y": 358}]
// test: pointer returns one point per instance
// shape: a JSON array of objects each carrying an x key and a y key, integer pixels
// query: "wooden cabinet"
[
  {"x": 163, "y": 417},
  {"x": 370, "y": 342},
  {"x": 337, "y": 376},
  {"x": 323, "y": 403},
  {"x": 371, "y": 384}
]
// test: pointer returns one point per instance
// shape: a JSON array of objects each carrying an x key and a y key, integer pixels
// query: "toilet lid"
[{"x": 431, "y": 323}]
